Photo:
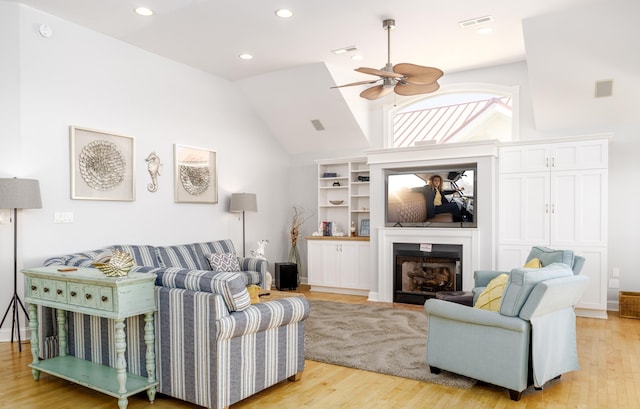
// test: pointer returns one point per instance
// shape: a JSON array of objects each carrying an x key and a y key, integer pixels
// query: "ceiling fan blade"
[
  {"x": 418, "y": 74},
  {"x": 376, "y": 92},
  {"x": 357, "y": 83},
  {"x": 380, "y": 73},
  {"x": 415, "y": 89}
]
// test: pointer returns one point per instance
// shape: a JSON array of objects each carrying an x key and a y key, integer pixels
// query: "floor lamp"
[
  {"x": 243, "y": 202},
  {"x": 17, "y": 194}
]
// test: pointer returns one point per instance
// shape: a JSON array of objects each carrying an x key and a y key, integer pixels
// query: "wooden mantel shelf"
[{"x": 343, "y": 238}]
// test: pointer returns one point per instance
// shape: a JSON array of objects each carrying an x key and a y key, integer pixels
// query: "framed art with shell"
[
  {"x": 102, "y": 165},
  {"x": 195, "y": 175}
]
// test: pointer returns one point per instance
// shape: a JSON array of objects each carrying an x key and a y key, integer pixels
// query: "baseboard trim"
[
  {"x": 587, "y": 313},
  {"x": 336, "y": 290}
]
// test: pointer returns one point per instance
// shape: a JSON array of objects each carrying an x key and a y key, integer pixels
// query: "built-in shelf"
[{"x": 354, "y": 193}]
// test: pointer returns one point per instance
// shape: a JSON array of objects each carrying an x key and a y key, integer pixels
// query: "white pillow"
[{"x": 223, "y": 262}]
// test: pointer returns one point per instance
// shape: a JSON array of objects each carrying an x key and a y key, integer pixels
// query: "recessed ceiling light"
[
  {"x": 357, "y": 57},
  {"x": 484, "y": 30},
  {"x": 284, "y": 13},
  {"x": 344, "y": 49},
  {"x": 246, "y": 56},
  {"x": 144, "y": 11}
]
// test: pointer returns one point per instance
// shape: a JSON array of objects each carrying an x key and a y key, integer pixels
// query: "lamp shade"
[
  {"x": 19, "y": 194},
  {"x": 243, "y": 202}
]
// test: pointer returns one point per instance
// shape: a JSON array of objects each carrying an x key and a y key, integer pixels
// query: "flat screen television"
[{"x": 409, "y": 190}]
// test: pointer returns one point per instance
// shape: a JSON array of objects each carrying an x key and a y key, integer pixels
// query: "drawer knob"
[
  {"x": 46, "y": 290},
  {"x": 87, "y": 296},
  {"x": 104, "y": 298},
  {"x": 59, "y": 292},
  {"x": 73, "y": 293},
  {"x": 33, "y": 288}
]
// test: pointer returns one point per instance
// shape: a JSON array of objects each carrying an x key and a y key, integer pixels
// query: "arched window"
[{"x": 456, "y": 115}]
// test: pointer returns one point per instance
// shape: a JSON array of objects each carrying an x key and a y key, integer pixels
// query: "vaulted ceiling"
[{"x": 293, "y": 67}]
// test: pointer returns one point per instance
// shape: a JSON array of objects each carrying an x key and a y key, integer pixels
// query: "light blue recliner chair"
[
  {"x": 544, "y": 254},
  {"x": 531, "y": 340}
]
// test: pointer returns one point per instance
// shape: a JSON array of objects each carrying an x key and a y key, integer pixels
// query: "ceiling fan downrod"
[{"x": 389, "y": 25}]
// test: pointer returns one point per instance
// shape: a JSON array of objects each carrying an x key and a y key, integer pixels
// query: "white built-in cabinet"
[
  {"x": 555, "y": 194},
  {"x": 341, "y": 263},
  {"x": 338, "y": 265}
]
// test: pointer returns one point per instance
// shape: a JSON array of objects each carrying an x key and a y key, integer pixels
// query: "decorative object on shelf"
[
  {"x": 329, "y": 175},
  {"x": 336, "y": 202},
  {"x": 117, "y": 264},
  {"x": 154, "y": 167},
  {"x": 363, "y": 178},
  {"x": 243, "y": 202},
  {"x": 336, "y": 184},
  {"x": 195, "y": 175},
  {"x": 101, "y": 165},
  {"x": 352, "y": 229},
  {"x": 259, "y": 253},
  {"x": 18, "y": 194},
  {"x": 297, "y": 221},
  {"x": 364, "y": 227}
]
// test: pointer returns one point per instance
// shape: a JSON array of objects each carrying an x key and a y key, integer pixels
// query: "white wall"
[{"x": 79, "y": 77}]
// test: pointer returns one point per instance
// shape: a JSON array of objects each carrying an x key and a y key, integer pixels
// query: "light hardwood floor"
[{"x": 609, "y": 378}]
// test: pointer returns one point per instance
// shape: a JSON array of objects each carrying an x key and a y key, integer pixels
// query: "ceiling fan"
[{"x": 404, "y": 79}]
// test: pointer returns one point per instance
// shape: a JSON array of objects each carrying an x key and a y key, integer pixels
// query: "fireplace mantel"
[
  {"x": 468, "y": 238},
  {"x": 478, "y": 243}
]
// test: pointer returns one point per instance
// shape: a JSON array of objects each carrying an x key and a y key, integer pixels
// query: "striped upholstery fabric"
[
  {"x": 255, "y": 270},
  {"x": 204, "y": 354},
  {"x": 183, "y": 256},
  {"x": 204, "y": 249},
  {"x": 142, "y": 255},
  {"x": 231, "y": 286},
  {"x": 77, "y": 260}
]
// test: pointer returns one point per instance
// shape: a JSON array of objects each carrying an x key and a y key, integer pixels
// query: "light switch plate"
[{"x": 63, "y": 217}]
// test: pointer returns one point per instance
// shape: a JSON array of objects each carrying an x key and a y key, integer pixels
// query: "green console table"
[{"x": 89, "y": 291}]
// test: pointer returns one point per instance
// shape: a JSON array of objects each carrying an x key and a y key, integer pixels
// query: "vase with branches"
[{"x": 297, "y": 220}]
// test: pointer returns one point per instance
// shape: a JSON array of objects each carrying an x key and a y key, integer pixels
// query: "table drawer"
[
  {"x": 92, "y": 296},
  {"x": 47, "y": 289}
]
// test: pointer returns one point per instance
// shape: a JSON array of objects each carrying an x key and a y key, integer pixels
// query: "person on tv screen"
[{"x": 437, "y": 202}]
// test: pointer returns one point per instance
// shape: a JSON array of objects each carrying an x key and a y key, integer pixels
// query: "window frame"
[{"x": 389, "y": 110}]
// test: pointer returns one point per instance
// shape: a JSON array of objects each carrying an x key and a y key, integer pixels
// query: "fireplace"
[{"x": 422, "y": 270}]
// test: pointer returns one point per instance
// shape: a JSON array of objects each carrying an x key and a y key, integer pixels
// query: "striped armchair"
[{"x": 213, "y": 347}]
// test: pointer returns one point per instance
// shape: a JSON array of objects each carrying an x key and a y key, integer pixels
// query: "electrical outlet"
[
  {"x": 614, "y": 283},
  {"x": 616, "y": 272}
]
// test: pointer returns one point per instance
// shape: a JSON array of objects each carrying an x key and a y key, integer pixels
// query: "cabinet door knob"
[
  {"x": 46, "y": 290},
  {"x": 33, "y": 288},
  {"x": 87, "y": 296},
  {"x": 59, "y": 291},
  {"x": 73, "y": 293},
  {"x": 104, "y": 298}
]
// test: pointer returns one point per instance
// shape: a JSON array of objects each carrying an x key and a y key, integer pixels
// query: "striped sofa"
[{"x": 213, "y": 347}]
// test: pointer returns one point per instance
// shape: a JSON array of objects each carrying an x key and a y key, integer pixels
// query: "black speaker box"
[{"x": 286, "y": 276}]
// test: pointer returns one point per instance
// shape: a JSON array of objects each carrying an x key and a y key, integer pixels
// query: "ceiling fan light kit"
[{"x": 404, "y": 79}]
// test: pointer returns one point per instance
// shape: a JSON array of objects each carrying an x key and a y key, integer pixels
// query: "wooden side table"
[{"x": 88, "y": 291}]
